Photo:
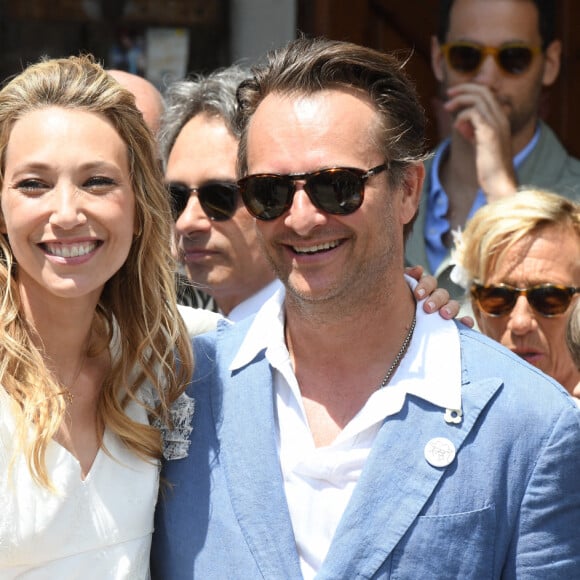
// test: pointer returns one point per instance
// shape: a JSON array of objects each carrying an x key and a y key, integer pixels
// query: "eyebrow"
[{"x": 87, "y": 166}]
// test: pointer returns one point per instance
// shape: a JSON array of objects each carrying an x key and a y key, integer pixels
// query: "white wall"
[{"x": 260, "y": 25}]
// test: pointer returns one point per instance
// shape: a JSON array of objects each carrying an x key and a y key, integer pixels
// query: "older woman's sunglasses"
[
  {"x": 546, "y": 299},
  {"x": 337, "y": 190},
  {"x": 467, "y": 57},
  {"x": 218, "y": 200}
]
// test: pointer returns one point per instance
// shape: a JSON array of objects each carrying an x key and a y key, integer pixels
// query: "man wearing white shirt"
[
  {"x": 319, "y": 480},
  {"x": 340, "y": 433}
]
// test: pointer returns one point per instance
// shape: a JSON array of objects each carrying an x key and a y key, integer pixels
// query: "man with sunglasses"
[
  {"x": 341, "y": 432},
  {"x": 215, "y": 237},
  {"x": 493, "y": 59},
  {"x": 520, "y": 261}
]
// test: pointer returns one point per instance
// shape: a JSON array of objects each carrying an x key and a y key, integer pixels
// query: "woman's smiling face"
[{"x": 68, "y": 206}]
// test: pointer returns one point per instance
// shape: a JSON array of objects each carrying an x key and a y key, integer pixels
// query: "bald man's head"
[{"x": 147, "y": 98}]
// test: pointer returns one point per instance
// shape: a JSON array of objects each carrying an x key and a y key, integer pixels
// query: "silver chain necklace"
[{"x": 400, "y": 354}]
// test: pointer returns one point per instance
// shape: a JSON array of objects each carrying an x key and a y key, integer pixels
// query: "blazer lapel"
[
  {"x": 396, "y": 483},
  {"x": 246, "y": 429}
]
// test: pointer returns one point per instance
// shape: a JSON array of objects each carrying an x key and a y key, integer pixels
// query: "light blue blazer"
[{"x": 507, "y": 507}]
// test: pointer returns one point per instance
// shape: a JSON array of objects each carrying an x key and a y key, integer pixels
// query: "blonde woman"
[
  {"x": 519, "y": 259},
  {"x": 92, "y": 348}
]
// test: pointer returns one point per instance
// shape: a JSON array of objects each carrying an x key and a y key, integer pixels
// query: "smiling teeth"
[
  {"x": 314, "y": 249},
  {"x": 70, "y": 251}
]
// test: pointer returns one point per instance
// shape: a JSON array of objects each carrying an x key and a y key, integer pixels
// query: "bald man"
[{"x": 147, "y": 98}]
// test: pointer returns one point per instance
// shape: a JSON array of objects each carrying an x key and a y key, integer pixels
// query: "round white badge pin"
[{"x": 439, "y": 452}]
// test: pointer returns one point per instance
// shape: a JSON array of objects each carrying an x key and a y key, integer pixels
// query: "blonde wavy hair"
[
  {"x": 498, "y": 226},
  {"x": 137, "y": 313}
]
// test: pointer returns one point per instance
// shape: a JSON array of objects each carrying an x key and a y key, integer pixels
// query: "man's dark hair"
[
  {"x": 546, "y": 18},
  {"x": 305, "y": 66}
]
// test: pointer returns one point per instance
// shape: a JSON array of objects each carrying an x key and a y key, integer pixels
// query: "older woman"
[{"x": 520, "y": 259}]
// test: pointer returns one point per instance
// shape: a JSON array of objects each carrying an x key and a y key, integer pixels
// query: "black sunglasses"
[
  {"x": 218, "y": 199},
  {"x": 467, "y": 57},
  {"x": 546, "y": 299},
  {"x": 338, "y": 190}
]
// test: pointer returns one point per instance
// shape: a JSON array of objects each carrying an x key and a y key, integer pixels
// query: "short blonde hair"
[
  {"x": 138, "y": 303},
  {"x": 498, "y": 226}
]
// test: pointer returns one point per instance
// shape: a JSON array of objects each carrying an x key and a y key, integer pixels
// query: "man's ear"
[
  {"x": 411, "y": 187},
  {"x": 437, "y": 59},
  {"x": 552, "y": 63}
]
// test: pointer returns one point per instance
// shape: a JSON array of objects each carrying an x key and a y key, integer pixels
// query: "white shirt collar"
[
  {"x": 431, "y": 369},
  {"x": 252, "y": 304}
]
